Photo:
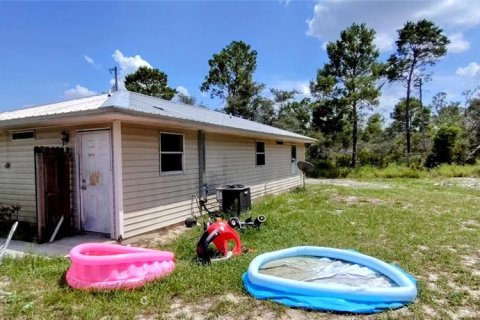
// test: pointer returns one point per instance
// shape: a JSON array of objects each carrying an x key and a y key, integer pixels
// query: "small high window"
[
  {"x": 23, "y": 135},
  {"x": 171, "y": 152},
  {"x": 260, "y": 153}
]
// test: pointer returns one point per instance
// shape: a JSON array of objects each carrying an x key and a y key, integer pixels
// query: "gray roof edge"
[
  {"x": 38, "y": 119},
  {"x": 120, "y": 101},
  {"x": 287, "y": 134},
  {"x": 291, "y": 136},
  {"x": 53, "y": 103}
]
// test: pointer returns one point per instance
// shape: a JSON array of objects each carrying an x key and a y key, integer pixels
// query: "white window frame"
[
  {"x": 171, "y": 152},
  {"x": 264, "y": 153}
]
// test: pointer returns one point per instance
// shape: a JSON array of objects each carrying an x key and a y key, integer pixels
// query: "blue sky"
[{"x": 53, "y": 51}]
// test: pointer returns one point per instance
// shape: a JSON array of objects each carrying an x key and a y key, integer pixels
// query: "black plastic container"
[{"x": 235, "y": 199}]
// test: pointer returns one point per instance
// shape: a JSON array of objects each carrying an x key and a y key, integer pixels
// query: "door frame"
[
  {"x": 78, "y": 148},
  {"x": 40, "y": 187}
]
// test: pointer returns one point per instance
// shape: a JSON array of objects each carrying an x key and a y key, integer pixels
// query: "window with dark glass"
[
  {"x": 23, "y": 135},
  {"x": 260, "y": 153},
  {"x": 171, "y": 152}
]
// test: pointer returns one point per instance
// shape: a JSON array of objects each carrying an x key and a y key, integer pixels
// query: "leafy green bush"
[
  {"x": 328, "y": 169},
  {"x": 446, "y": 147},
  {"x": 343, "y": 160},
  {"x": 374, "y": 158}
]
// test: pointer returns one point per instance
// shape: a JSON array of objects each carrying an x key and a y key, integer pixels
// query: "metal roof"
[
  {"x": 64, "y": 107},
  {"x": 131, "y": 102}
]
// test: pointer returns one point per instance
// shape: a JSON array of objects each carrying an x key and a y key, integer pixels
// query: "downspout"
[{"x": 201, "y": 161}]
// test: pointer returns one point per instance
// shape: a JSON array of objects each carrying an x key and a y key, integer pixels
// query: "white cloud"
[
  {"x": 458, "y": 43},
  {"x": 303, "y": 87},
  {"x": 121, "y": 83},
  {"x": 88, "y": 59},
  {"x": 384, "y": 41},
  {"x": 129, "y": 64},
  {"x": 386, "y": 17},
  {"x": 78, "y": 92},
  {"x": 472, "y": 70},
  {"x": 183, "y": 90},
  {"x": 284, "y": 2},
  {"x": 391, "y": 94}
]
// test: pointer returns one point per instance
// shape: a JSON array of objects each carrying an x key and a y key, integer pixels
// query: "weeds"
[
  {"x": 398, "y": 171},
  {"x": 416, "y": 224}
]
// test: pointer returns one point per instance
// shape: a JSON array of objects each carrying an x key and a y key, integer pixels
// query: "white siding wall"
[
  {"x": 232, "y": 160},
  {"x": 17, "y": 183},
  {"x": 153, "y": 200}
]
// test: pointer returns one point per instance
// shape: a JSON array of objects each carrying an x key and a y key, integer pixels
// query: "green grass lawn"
[{"x": 430, "y": 229}]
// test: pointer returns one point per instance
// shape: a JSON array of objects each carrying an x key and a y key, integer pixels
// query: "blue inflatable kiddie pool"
[{"x": 329, "y": 279}]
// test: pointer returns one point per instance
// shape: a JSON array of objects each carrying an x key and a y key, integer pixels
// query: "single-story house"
[{"x": 124, "y": 164}]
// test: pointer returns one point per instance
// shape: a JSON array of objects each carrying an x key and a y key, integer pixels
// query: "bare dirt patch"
[
  {"x": 461, "y": 182},
  {"x": 423, "y": 248},
  {"x": 350, "y": 183},
  {"x": 463, "y": 313},
  {"x": 473, "y": 260},
  {"x": 470, "y": 225},
  {"x": 356, "y": 200},
  {"x": 4, "y": 283},
  {"x": 159, "y": 238},
  {"x": 229, "y": 307},
  {"x": 429, "y": 311}
]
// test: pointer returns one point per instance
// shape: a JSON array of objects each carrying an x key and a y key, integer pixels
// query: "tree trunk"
[
  {"x": 355, "y": 134},
  {"x": 424, "y": 135},
  {"x": 407, "y": 120},
  {"x": 407, "y": 110}
]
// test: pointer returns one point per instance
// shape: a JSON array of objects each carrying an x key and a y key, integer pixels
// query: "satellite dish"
[{"x": 305, "y": 166}]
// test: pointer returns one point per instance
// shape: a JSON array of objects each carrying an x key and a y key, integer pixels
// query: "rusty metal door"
[
  {"x": 96, "y": 183},
  {"x": 52, "y": 166}
]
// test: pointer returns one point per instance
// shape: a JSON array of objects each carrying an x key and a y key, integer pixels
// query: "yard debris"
[
  {"x": 3, "y": 248},
  {"x": 4, "y": 293}
]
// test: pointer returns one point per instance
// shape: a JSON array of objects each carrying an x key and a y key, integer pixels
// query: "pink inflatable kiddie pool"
[{"x": 102, "y": 266}]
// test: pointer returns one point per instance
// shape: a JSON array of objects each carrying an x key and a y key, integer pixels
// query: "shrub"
[
  {"x": 374, "y": 158},
  {"x": 328, "y": 169},
  {"x": 343, "y": 160},
  {"x": 445, "y": 147}
]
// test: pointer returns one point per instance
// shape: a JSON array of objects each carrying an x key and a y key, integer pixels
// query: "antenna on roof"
[{"x": 114, "y": 70}]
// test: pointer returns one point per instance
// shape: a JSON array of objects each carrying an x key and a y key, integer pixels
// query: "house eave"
[
  {"x": 147, "y": 118},
  {"x": 111, "y": 113}
]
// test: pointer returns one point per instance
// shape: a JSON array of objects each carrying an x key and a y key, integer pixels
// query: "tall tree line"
[{"x": 345, "y": 90}]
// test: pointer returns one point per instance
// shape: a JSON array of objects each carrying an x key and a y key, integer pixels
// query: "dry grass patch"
[{"x": 349, "y": 200}]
